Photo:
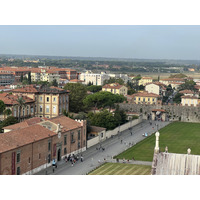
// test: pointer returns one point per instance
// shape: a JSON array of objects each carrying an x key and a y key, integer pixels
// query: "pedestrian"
[
  {"x": 81, "y": 158},
  {"x": 121, "y": 141}
]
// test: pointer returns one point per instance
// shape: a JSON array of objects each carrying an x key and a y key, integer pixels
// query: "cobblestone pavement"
[{"x": 113, "y": 146}]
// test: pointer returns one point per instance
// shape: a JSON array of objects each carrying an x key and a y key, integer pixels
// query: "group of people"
[{"x": 73, "y": 158}]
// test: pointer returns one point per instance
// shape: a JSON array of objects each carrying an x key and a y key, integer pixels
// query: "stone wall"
[{"x": 175, "y": 112}]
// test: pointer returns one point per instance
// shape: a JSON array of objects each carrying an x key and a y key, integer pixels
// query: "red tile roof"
[
  {"x": 144, "y": 94},
  {"x": 25, "y": 123},
  {"x": 188, "y": 97},
  {"x": 186, "y": 92},
  {"x": 10, "y": 99},
  {"x": 113, "y": 86},
  {"x": 66, "y": 122},
  {"x": 13, "y": 139}
]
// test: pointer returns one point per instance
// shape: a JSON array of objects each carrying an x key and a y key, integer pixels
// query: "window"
[
  {"x": 49, "y": 158},
  {"x": 27, "y": 108},
  {"x": 49, "y": 146},
  {"x": 102, "y": 134},
  {"x": 35, "y": 108},
  {"x": 47, "y": 99},
  {"x": 29, "y": 160},
  {"x": 23, "y": 111},
  {"x": 143, "y": 99},
  {"x": 138, "y": 99},
  {"x": 54, "y": 99},
  {"x": 54, "y": 109},
  {"x": 72, "y": 138},
  {"x": 40, "y": 108},
  {"x": 79, "y": 145},
  {"x": 18, "y": 170},
  {"x": 39, "y": 155},
  {"x": 65, "y": 140},
  {"x": 65, "y": 151},
  {"x": 148, "y": 99},
  {"x": 18, "y": 157},
  {"x": 83, "y": 142},
  {"x": 40, "y": 98},
  {"x": 47, "y": 109},
  {"x": 31, "y": 109},
  {"x": 79, "y": 134},
  {"x": 152, "y": 99}
]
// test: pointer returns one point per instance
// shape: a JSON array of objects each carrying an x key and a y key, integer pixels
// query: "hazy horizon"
[{"x": 129, "y": 42}]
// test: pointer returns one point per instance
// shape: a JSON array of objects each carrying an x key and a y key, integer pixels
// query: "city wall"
[
  {"x": 113, "y": 132},
  {"x": 173, "y": 112}
]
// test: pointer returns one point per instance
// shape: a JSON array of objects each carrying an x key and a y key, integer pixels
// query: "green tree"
[
  {"x": 177, "y": 98},
  {"x": 2, "y": 106},
  {"x": 120, "y": 116},
  {"x": 29, "y": 78},
  {"x": 54, "y": 83},
  {"x": 77, "y": 93},
  {"x": 188, "y": 85},
  {"x": 21, "y": 104},
  {"x": 94, "y": 88},
  {"x": 21, "y": 78},
  {"x": 103, "y": 100},
  {"x": 114, "y": 80},
  {"x": 8, "y": 121},
  {"x": 103, "y": 119},
  {"x": 7, "y": 112}
]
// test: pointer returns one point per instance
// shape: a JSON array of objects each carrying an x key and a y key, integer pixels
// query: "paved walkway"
[{"x": 113, "y": 146}]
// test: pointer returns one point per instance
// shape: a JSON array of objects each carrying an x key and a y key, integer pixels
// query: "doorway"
[{"x": 59, "y": 155}]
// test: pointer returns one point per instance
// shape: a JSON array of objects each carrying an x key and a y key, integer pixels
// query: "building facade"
[
  {"x": 32, "y": 149},
  {"x": 145, "y": 80},
  {"x": 49, "y": 101},
  {"x": 10, "y": 101},
  {"x": 115, "y": 88}
]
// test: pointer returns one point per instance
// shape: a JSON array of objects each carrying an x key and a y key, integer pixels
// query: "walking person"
[{"x": 81, "y": 158}]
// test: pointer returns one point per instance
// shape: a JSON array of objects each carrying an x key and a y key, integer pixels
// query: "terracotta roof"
[
  {"x": 25, "y": 123},
  {"x": 113, "y": 86},
  {"x": 186, "y": 92},
  {"x": 144, "y": 94},
  {"x": 75, "y": 80},
  {"x": 67, "y": 123},
  {"x": 146, "y": 78},
  {"x": 173, "y": 79},
  {"x": 13, "y": 139},
  {"x": 188, "y": 97},
  {"x": 26, "y": 89},
  {"x": 10, "y": 99},
  {"x": 97, "y": 129}
]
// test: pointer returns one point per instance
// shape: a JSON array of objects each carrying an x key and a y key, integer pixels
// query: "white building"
[
  {"x": 155, "y": 88},
  {"x": 95, "y": 79}
]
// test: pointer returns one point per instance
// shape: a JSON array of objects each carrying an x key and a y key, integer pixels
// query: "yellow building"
[
  {"x": 189, "y": 101},
  {"x": 143, "y": 98},
  {"x": 115, "y": 88},
  {"x": 49, "y": 101},
  {"x": 145, "y": 80}
]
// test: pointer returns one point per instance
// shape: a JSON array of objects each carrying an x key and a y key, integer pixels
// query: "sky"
[{"x": 133, "y": 41}]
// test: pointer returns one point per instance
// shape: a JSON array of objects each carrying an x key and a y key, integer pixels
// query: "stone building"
[
  {"x": 49, "y": 101},
  {"x": 30, "y": 149},
  {"x": 115, "y": 88},
  {"x": 10, "y": 100}
]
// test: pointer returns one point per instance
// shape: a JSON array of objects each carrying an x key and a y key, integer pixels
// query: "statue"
[
  {"x": 166, "y": 149},
  {"x": 189, "y": 151},
  {"x": 156, "y": 150}
]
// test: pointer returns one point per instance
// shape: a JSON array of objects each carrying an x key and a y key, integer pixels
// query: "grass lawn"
[
  {"x": 122, "y": 169},
  {"x": 178, "y": 136}
]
